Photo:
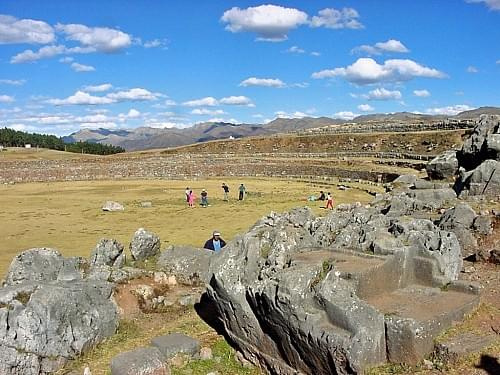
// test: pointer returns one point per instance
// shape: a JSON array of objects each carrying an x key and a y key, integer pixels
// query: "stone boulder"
[
  {"x": 484, "y": 180},
  {"x": 459, "y": 220},
  {"x": 45, "y": 324},
  {"x": 481, "y": 144},
  {"x": 300, "y": 294},
  {"x": 144, "y": 244},
  {"x": 108, "y": 252},
  {"x": 143, "y": 361},
  {"x": 175, "y": 343},
  {"x": 43, "y": 264},
  {"x": 190, "y": 265},
  {"x": 111, "y": 206},
  {"x": 444, "y": 166}
]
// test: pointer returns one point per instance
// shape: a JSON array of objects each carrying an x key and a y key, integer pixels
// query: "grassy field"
[
  {"x": 20, "y": 153},
  {"x": 68, "y": 216}
]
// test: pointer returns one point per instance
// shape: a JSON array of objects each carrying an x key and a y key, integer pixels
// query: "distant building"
[{"x": 27, "y": 145}]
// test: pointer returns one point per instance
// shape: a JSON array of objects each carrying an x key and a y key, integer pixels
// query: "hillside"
[{"x": 144, "y": 138}]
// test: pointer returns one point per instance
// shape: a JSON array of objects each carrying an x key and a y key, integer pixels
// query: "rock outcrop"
[
  {"x": 444, "y": 166},
  {"x": 144, "y": 244},
  {"x": 108, "y": 252},
  {"x": 50, "y": 314},
  {"x": 304, "y": 295}
]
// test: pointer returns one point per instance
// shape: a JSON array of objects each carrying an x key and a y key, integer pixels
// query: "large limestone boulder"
[
  {"x": 108, "y": 252},
  {"x": 482, "y": 143},
  {"x": 444, "y": 166},
  {"x": 190, "y": 265},
  {"x": 459, "y": 220},
  {"x": 144, "y": 244},
  {"x": 143, "y": 361},
  {"x": 111, "y": 206}
]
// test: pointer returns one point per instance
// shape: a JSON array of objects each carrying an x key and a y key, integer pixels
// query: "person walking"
[
  {"x": 191, "y": 199},
  {"x": 204, "y": 198},
  {"x": 225, "y": 188},
  {"x": 329, "y": 201},
  {"x": 242, "y": 190},
  {"x": 215, "y": 243}
]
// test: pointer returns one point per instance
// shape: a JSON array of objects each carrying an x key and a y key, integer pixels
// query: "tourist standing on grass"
[
  {"x": 329, "y": 201},
  {"x": 242, "y": 192},
  {"x": 226, "y": 191},
  {"x": 191, "y": 199},
  {"x": 204, "y": 198},
  {"x": 215, "y": 243},
  {"x": 187, "y": 194}
]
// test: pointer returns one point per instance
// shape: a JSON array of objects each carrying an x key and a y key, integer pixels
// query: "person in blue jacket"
[{"x": 215, "y": 243}]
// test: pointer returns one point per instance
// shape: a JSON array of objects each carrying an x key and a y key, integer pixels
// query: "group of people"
[
  {"x": 191, "y": 196},
  {"x": 328, "y": 198}
]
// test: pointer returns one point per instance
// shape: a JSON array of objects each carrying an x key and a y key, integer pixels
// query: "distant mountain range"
[{"x": 148, "y": 138}]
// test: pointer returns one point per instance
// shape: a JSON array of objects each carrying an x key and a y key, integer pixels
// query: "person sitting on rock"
[
  {"x": 215, "y": 243},
  {"x": 321, "y": 196}
]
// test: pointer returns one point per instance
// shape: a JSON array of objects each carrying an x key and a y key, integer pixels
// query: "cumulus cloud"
[
  {"x": 472, "y": 69},
  {"x": 491, "y": 4},
  {"x": 81, "y": 98},
  {"x": 208, "y": 101},
  {"x": 345, "y": 18},
  {"x": 13, "y": 30},
  {"x": 98, "y": 88},
  {"x": 135, "y": 94},
  {"x": 265, "y": 82},
  {"x": 237, "y": 100},
  {"x": 383, "y": 94},
  {"x": 6, "y": 99},
  {"x": 391, "y": 45},
  {"x": 296, "y": 114},
  {"x": 133, "y": 113},
  {"x": 449, "y": 110},
  {"x": 365, "y": 107},
  {"x": 82, "y": 68},
  {"x": 209, "y": 112},
  {"x": 315, "y": 53},
  {"x": 102, "y": 39},
  {"x": 13, "y": 82},
  {"x": 43, "y": 53},
  {"x": 367, "y": 71},
  {"x": 155, "y": 43},
  {"x": 269, "y": 22},
  {"x": 345, "y": 115},
  {"x": 421, "y": 93}
]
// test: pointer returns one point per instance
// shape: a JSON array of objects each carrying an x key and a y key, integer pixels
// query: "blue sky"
[{"x": 67, "y": 65}]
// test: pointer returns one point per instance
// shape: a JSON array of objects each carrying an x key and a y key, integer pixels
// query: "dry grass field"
[
  {"x": 19, "y": 153},
  {"x": 68, "y": 216}
]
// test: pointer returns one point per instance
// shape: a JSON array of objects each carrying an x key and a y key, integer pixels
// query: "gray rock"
[
  {"x": 111, "y": 206},
  {"x": 174, "y": 343},
  {"x": 44, "y": 324},
  {"x": 143, "y": 361},
  {"x": 146, "y": 204},
  {"x": 444, "y": 166},
  {"x": 108, "y": 252},
  {"x": 482, "y": 224},
  {"x": 475, "y": 148},
  {"x": 190, "y": 265},
  {"x": 485, "y": 179},
  {"x": 42, "y": 264},
  {"x": 144, "y": 244},
  {"x": 435, "y": 198},
  {"x": 459, "y": 220},
  {"x": 462, "y": 345}
]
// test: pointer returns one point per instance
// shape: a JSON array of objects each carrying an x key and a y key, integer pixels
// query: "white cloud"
[
  {"x": 269, "y": 22},
  {"x": 383, "y": 94},
  {"x": 491, "y": 4},
  {"x": 98, "y": 88},
  {"x": 170, "y": 102},
  {"x": 301, "y": 85},
  {"x": 98, "y": 125},
  {"x": 42, "y": 53},
  {"x": 345, "y": 18},
  {"x": 135, "y": 94},
  {"x": 295, "y": 49},
  {"x": 203, "y": 102},
  {"x": 13, "y": 30},
  {"x": 209, "y": 112},
  {"x": 367, "y": 71},
  {"x": 472, "y": 69},
  {"x": 133, "y": 113},
  {"x": 345, "y": 115},
  {"x": 315, "y": 53},
  {"x": 421, "y": 93},
  {"x": 66, "y": 60},
  {"x": 13, "y": 82},
  {"x": 82, "y": 68},
  {"x": 237, "y": 100},
  {"x": 391, "y": 45},
  {"x": 81, "y": 98},
  {"x": 498, "y": 62},
  {"x": 365, "y": 107},
  {"x": 6, "y": 99},
  {"x": 449, "y": 110},
  {"x": 102, "y": 39},
  {"x": 265, "y": 82},
  {"x": 296, "y": 114},
  {"x": 155, "y": 43}
]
